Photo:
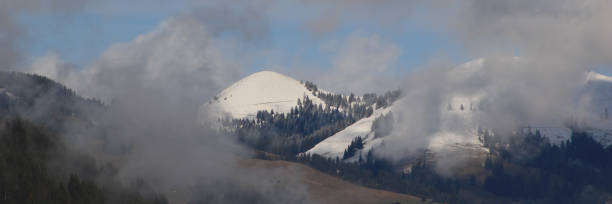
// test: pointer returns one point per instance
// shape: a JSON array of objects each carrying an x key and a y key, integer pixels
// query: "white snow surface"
[
  {"x": 555, "y": 134},
  {"x": 265, "y": 90}
]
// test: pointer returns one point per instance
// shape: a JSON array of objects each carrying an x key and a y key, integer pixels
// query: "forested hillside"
[
  {"x": 44, "y": 101},
  {"x": 36, "y": 167},
  {"x": 36, "y": 164}
]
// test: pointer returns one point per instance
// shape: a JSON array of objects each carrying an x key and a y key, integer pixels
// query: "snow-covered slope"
[
  {"x": 458, "y": 132},
  {"x": 263, "y": 90},
  {"x": 335, "y": 145},
  {"x": 555, "y": 134}
]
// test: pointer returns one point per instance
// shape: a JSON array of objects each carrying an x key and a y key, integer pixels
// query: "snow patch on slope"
[
  {"x": 335, "y": 145},
  {"x": 601, "y": 131}
]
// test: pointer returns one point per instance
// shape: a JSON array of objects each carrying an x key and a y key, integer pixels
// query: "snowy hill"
[{"x": 263, "y": 90}]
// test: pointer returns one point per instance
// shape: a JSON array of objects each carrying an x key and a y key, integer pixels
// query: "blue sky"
[{"x": 84, "y": 35}]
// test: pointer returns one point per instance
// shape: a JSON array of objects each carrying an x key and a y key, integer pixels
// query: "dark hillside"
[
  {"x": 44, "y": 101},
  {"x": 36, "y": 167}
]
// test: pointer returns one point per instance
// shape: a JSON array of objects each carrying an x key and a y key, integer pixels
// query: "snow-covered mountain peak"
[
  {"x": 264, "y": 90},
  {"x": 597, "y": 77}
]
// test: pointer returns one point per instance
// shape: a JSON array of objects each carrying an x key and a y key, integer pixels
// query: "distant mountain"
[{"x": 458, "y": 131}]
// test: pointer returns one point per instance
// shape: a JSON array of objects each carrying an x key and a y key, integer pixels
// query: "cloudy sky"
[
  {"x": 344, "y": 39},
  {"x": 294, "y": 34}
]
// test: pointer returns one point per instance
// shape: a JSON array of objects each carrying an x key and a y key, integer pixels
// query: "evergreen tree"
[{"x": 356, "y": 144}]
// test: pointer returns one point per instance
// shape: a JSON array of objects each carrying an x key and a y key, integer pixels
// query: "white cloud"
[
  {"x": 51, "y": 66},
  {"x": 361, "y": 64},
  {"x": 179, "y": 57}
]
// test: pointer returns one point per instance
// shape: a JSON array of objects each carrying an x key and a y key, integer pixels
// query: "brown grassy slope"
[{"x": 330, "y": 189}]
